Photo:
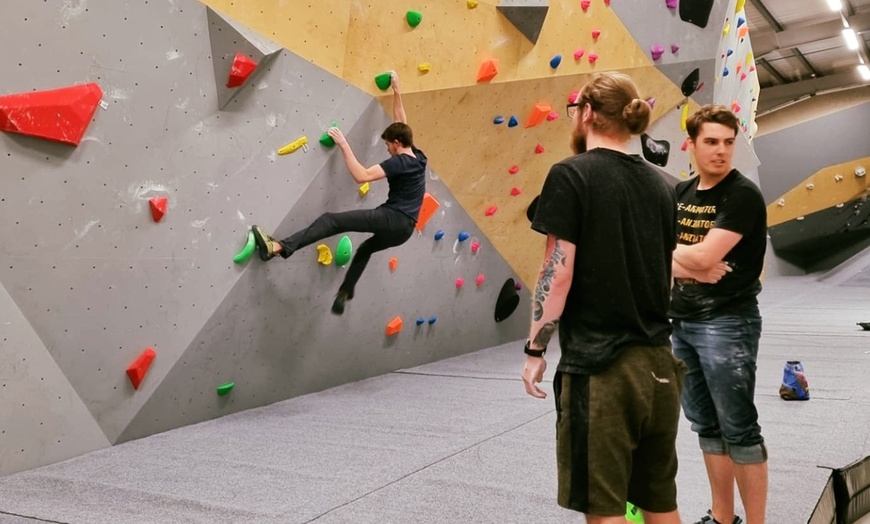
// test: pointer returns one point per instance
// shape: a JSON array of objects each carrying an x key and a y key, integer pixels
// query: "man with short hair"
[
  {"x": 721, "y": 218},
  {"x": 392, "y": 222},
  {"x": 610, "y": 221}
]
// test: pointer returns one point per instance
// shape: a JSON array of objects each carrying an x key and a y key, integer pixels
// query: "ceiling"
[{"x": 800, "y": 51}]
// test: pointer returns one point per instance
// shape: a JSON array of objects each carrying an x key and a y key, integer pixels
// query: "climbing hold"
[
  {"x": 811, "y": 186},
  {"x": 327, "y": 140},
  {"x": 690, "y": 83},
  {"x": 475, "y": 246},
  {"x": 498, "y": 120},
  {"x": 729, "y": 52},
  {"x": 432, "y": 320},
  {"x": 424, "y": 67},
  {"x": 246, "y": 252},
  {"x": 488, "y": 70},
  {"x": 684, "y": 116},
  {"x": 460, "y": 282},
  {"x": 533, "y": 206},
  {"x": 671, "y": 4},
  {"x": 592, "y": 58},
  {"x": 137, "y": 370},
  {"x": 242, "y": 68},
  {"x": 393, "y": 263},
  {"x": 414, "y": 18},
  {"x": 578, "y": 54},
  {"x": 656, "y": 50},
  {"x": 740, "y": 21},
  {"x": 514, "y": 169},
  {"x": 519, "y": 285},
  {"x": 301, "y": 142},
  {"x": 539, "y": 149},
  {"x": 61, "y": 114},
  {"x": 596, "y": 33},
  {"x": 700, "y": 87},
  {"x": 674, "y": 49},
  {"x": 725, "y": 72},
  {"x": 742, "y": 76},
  {"x": 607, "y": 2},
  {"x": 751, "y": 68},
  {"x": 515, "y": 191},
  {"x": 555, "y": 61},
  {"x": 343, "y": 251},
  {"x": 552, "y": 116},
  {"x": 463, "y": 236},
  {"x": 507, "y": 300},
  {"x": 479, "y": 280},
  {"x": 739, "y": 67},
  {"x": 158, "y": 208},
  {"x": 838, "y": 178},
  {"x": 364, "y": 189},
  {"x": 471, "y": 3},
  {"x": 743, "y": 31},
  {"x": 225, "y": 388},
  {"x": 324, "y": 254},
  {"x": 513, "y": 122},
  {"x": 527, "y": 17},
  {"x": 683, "y": 174},
  {"x": 696, "y": 12},
  {"x": 491, "y": 210},
  {"x": 584, "y": 4},
  {"x": 421, "y": 321},
  {"x": 633, "y": 514},
  {"x": 655, "y": 151},
  {"x": 726, "y": 29},
  {"x": 685, "y": 145},
  {"x": 439, "y": 234},
  {"x": 394, "y": 326},
  {"x": 383, "y": 81},
  {"x": 652, "y": 102},
  {"x": 429, "y": 207},
  {"x": 538, "y": 114},
  {"x": 735, "y": 107}
]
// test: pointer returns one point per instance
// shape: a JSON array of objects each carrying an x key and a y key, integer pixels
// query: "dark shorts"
[{"x": 616, "y": 433}]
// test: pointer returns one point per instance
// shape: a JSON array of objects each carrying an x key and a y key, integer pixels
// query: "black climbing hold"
[
  {"x": 655, "y": 151},
  {"x": 507, "y": 301},
  {"x": 690, "y": 84},
  {"x": 696, "y": 11}
]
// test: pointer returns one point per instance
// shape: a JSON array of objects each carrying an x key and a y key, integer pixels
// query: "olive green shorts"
[{"x": 616, "y": 433}]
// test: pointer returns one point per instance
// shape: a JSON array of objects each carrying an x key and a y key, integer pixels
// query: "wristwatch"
[{"x": 533, "y": 352}]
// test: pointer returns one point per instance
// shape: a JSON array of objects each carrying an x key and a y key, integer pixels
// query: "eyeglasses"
[{"x": 572, "y": 109}]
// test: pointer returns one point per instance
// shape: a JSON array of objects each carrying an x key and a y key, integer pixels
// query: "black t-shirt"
[
  {"x": 406, "y": 176},
  {"x": 734, "y": 204},
  {"x": 621, "y": 215}
]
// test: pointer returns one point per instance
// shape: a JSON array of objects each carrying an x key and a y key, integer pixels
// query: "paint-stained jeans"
[{"x": 719, "y": 391}]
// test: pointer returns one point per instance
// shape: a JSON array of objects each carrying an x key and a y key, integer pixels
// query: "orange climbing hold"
[
  {"x": 61, "y": 114},
  {"x": 137, "y": 370},
  {"x": 394, "y": 326},
  {"x": 743, "y": 31},
  {"x": 488, "y": 70},
  {"x": 429, "y": 207},
  {"x": 538, "y": 115},
  {"x": 241, "y": 70},
  {"x": 158, "y": 208},
  {"x": 393, "y": 263}
]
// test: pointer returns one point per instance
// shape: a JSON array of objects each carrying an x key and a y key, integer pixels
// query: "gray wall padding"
[
  {"x": 98, "y": 281},
  {"x": 791, "y": 155}
]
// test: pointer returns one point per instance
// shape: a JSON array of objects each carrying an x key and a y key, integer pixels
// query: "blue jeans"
[{"x": 719, "y": 390}]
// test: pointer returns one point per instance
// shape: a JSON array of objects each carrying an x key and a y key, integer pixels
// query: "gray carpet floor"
[{"x": 456, "y": 441}]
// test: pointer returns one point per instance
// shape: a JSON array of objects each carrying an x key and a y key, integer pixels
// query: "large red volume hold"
[
  {"x": 62, "y": 115},
  {"x": 137, "y": 370},
  {"x": 241, "y": 70}
]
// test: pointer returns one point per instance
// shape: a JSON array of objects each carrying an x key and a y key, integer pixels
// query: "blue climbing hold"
[
  {"x": 513, "y": 122},
  {"x": 498, "y": 120},
  {"x": 725, "y": 72},
  {"x": 729, "y": 52},
  {"x": 463, "y": 236},
  {"x": 421, "y": 321},
  {"x": 432, "y": 320},
  {"x": 740, "y": 21},
  {"x": 439, "y": 234},
  {"x": 555, "y": 61}
]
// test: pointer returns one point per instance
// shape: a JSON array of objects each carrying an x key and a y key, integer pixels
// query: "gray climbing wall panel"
[
  {"x": 526, "y": 15},
  {"x": 99, "y": 281},
  {"x": 43, "y": 420}
]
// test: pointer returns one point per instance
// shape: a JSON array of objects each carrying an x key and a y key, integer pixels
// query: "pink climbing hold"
[
  {"x": 539, "y": 149},
  {"x": 241, "y": 70},
  {"x": 672, "y": 4},
  {"x": 656, "y": 50},
  {"x": 552, "y": 116},
  {"x": 584, "y": 4},
  {"x": 460, "y": 282},
  {"x": 518, "y": 285},
  {"x": 700, "y": 86},
  {"x": 606, "y": 2},
  {"x": 751, "y": 68},
  {"x": 475, "y": 246},
  {"x": 674, "y": 49},
  {"x": 514, "y": 169},
  {"x": 592, "y": 58},
  {"x": 652, "y": 102},
  {"x": 735, "y": 107},
  {"x": 685, "y": 145},
  {"x": 479, "y": 280},
  {"x": 515, "y": 191},
  {"x": 578, "y": 54},
  {"x": 742, "y": 76},
  {"x": 491, "y": 210},
  {"x": 596, "y": 33}
]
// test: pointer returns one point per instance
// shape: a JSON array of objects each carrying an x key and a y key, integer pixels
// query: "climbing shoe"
[
  {"x": 708, "y": 519},
  {"x": 267, "y": 247}
]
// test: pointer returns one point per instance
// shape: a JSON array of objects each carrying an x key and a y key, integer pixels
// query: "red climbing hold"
[
  {"x": 491, "y": 210},
  {"x": 479, "y": 280},
  {"x": 137, "y": 370},
  {"x": 539, "y": 149},
  {"x": 515, "y": 191},
  {"x": 393, "y": 263},
  {"x": 685, "y": 145},
  {"x": 158, "y": 208},
  {"x": 584, "y": 4},
  {"x": 514, "y": 169},
  {"x": 61, "y": 114},
  {"x": 460, "y": 282},
  {"x": 241, "y": 70},
  {"x": 475, "y": 246},
  {"x": 592, "y": 58},
  {"x": 596, "y": 33}
]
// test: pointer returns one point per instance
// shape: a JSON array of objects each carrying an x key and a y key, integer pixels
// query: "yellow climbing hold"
[
  {"x": 726, "y": 30},
  {"x": 324, "y": 254},
  {"x": 471, "y": 3},
  {"x": 424, "y": 67},
  {"x": 740, "y": 4},
  {"x": 294, "y": 145},
  {"x": 684, "y": 174},
  {"x": 364, "y": 189},
  {"x": 685, "y": 115},
  {"x": 749, "y": 58}
]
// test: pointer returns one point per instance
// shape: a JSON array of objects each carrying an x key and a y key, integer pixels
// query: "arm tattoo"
[
  {"x": 546, "y": 332},
  {"x": 557, "y": 258}
]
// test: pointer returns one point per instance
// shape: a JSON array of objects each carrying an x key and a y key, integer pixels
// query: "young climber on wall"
[{"x": 391, "y": 223}]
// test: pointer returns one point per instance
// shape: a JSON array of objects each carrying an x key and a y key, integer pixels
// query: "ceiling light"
[
  {"x": 851, "y": 38},
  {"x": 865, "y": 71},
  {"x": 835, "y": 5}
]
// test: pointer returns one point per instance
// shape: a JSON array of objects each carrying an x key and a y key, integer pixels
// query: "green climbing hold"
[
  {"x": 383, "y": 81},
  {"x": 327, "y": 140},
  {"x": 633, "y": 513},
  {"x": 343, "y": 251},
  {"x": 226, "y": 388},
  {"x": 246, "y": 252},
  {"x": 414, "y": 18}
]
